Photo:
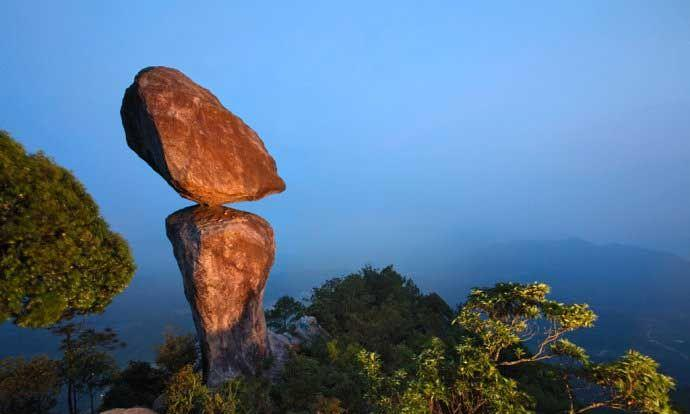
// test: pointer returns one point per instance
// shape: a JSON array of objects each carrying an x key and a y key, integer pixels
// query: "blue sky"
[{"x": 406, "y": 131}]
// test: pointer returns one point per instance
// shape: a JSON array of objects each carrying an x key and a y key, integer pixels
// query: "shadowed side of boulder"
[{"x": 225, "y": 256}]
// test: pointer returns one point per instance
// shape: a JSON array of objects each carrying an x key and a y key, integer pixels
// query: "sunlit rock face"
[
  {"x": 225, "y": 256},
  {"x": 206, "y": 153}
]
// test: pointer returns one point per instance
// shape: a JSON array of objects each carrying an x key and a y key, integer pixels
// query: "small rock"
[
  {"x": 306, "y": 329},
  {"x": 280, "y": 346}
]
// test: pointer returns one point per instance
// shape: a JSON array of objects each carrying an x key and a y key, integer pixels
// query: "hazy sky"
[{"x": 405, "y": 131}]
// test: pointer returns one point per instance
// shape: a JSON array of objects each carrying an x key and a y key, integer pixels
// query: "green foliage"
[
  {"x": 86, "y": 365},
  {"x": 244, "y": 395},
  {"x": 58, "y": 257},
  {"x": 376, "y": 309},
  {"x": 301, "y": 382},
  {"x": 176, "y": 352},
  {"x": 326, "y": 405},
  {"x": 632, "y": 383},
  {"x": 566, "y": 349},
  {"x": 505, "y": 351},
  {"x": 321, "y": 374},
  {"x": 28, "y": 387},
  {"x": 544, "y": 383},
  {"x": 382, "y": 311},
  {"x": 482, "y": 377},
  {"x": 285, "y": 311},
  {"x": 470, "y": 384},
  {"x": 479, "y": 385},
  {"x": 509, "y": 313},
  {"x": 138, "y": 385},
  {"x": 186, "y": 394}
]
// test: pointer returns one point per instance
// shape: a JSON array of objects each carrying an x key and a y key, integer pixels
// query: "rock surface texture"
[
  {"x": 225, "y": 256},
  {"x": 304, "y": 331},
  {"x": 201, "y": 149}
]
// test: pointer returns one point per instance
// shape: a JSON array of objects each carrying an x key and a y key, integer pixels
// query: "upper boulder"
[{"x": 205, "y": 152}]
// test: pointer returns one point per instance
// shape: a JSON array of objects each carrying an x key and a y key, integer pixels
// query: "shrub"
[
  {"x": 28, "y": 387},
  {"x": 176, "y": 352}
]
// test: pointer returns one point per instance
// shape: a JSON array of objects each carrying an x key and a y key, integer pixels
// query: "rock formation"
[
  {"x": 201, "y": 149},
  {"x": 209, "y": 155},
  {"x": 303, "y": 332},
  {"x": 225, "y": 256}
]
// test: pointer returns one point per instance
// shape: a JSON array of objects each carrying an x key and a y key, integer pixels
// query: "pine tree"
[{"x": 58, "y": 257}]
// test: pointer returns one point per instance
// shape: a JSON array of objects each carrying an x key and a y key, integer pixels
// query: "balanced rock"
[
  {"x": 225, "y": 256},
  {"x": 201, "y": 149}
]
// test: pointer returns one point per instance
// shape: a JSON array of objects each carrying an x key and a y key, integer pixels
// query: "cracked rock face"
[
  {"x": 206, "y": 153},
  {"x": 225, "y": 256}
]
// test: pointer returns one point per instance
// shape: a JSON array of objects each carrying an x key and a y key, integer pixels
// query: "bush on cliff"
[
  {"x": 138, "y": 385},
  {"x": 395, "y": 350},
  {"x": 176, "y": 352},
  {"x": 186, "y": 394},
  {"x": 392, "y": 349},
  {"x": 383, "y": 312},
  {"x": 475, "y": 376},
  {"x": 141, "y": 383},
  {"x": 86, "y": 367},
  {"x": 284, "y": 313},
  {"x": 379, "y": 310},
  {"x": 29, "y": 386}
]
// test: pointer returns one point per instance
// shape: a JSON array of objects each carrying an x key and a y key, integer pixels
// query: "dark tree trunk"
[
  {"x": 91, "y": 399},
  {"x": 75, "y": 407},
  {"x": 70, "y": 406}
]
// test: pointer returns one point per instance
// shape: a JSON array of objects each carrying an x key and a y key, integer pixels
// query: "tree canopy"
[
  {"x": 506, "y": 350},
  {"x": 137, "y": 385},
  {"x": 176, "y": 352},
  {"x": 28, "y": 386},
  {"x": 476, "y": 377},
  {"x": 393, "y": 349},
  {"x": 382, "y": 311},
  {"x": 86, "y": 366},
  {"x": 285, "y": 311},
  {"x": 58, "y": 257}
]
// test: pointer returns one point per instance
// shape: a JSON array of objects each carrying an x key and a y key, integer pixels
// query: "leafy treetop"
[
  {"x": 499, "y": 323},
  {"x": 284, "y": 313},
  {"x": 58, "y": 257},
  {"x": 28, "y": 386},
  {"x": 176, "y": 352}
]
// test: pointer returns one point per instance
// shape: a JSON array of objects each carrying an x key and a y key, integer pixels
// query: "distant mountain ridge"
[{"x": 583, "y": 271}]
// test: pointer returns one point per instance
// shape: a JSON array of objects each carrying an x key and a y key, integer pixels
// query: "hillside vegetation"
[{"x": 392, "y": 349}]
